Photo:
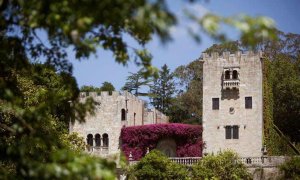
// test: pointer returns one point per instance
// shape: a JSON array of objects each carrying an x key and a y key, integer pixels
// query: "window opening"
[
  {"x": 215, "y": 103},
  {"x": 227, "y": 74},
  {"x": 123, "y": 115},
  {"x": 105, "y": 140},
  {"x": 248, "y": 102},
  {"x": 98, "y": 140},
  {"x": 235, "y": 74},
  {"x": 90, "y": 139}
]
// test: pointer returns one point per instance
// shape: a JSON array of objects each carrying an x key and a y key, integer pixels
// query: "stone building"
[
  {"x": 232, "y": 103},
  {"x": 113, "y": 111}
]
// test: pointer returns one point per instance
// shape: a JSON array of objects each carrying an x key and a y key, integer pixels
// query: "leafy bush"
[
  {"x": 291, "y": 169},
  {"x": 224, "y": 165},
  {"x": 138, "y": 138},
  {"x": 157, "y": 166}
]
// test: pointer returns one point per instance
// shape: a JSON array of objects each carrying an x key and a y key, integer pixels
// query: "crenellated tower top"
[{"x": 228, "y": 56}]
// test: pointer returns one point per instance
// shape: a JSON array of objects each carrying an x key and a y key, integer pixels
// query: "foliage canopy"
[
  {"x": 224, "y": 165},
  {"x": 157, "y": 166}
]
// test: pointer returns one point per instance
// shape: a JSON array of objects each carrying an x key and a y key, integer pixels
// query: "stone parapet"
[{"x": 226, "y": 55}]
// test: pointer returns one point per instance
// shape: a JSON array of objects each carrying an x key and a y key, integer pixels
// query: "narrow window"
[
  {"x": 235, "y": 132},
  {"x": 90, "y": 140},
  {"x": 248, "y": 102},
  {"x": 227, "y": 74},
  {"x": 98, "y": 140},
  {"x": 123, "y": 115},
  {"x": 228, "y": 132},
  {"x": 215, "y": 103},
  {"x": 134, "y": 118},
  {"x": 105, "y": 140},
  {"x": 235, "y": 74}
]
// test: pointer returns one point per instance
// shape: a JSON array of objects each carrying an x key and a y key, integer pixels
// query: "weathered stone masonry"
[
  {"x": 113, "y": 111},
  {"x": 232, "y": 103}
]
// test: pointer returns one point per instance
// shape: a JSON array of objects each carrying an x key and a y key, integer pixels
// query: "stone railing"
[
  {"x": 252, "y": 160},
  {"x": 188, "y": 161},
  {"x": 264, "y": 161},
  {"x": 98, "y": 150},
  {"x": 231, "y": 83}
]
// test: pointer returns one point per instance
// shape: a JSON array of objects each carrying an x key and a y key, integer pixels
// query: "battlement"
[
  {"x": 228, "y": 56},
  {"x": 114, "y": 94},
  {"x": 96, "y": 94}
]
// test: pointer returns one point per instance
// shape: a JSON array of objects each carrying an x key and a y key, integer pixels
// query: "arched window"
[
  {"x": 89, "y": 139},
  {"x": 123, "y": 115},
  {"x": 98, "y": 140},
  {"x": 227, "y": 74},
  {"x": 234, "y": 74},
  {"x": 105, "y": 140}
]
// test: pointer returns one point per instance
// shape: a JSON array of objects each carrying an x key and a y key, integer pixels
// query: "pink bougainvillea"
[{"x": 137, "y": 139}]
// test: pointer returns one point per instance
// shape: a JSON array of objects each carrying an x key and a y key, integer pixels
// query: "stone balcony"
[
  {"x": 231, "y": 83},
  {"x": 98, "y": 150}
]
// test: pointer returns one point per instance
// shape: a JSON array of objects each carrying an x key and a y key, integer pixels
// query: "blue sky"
[{"x": 183, "y": 49}]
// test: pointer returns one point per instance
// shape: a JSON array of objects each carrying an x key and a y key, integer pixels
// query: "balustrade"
[
  {"x": 264, "y": 161},
  {"x": 101, "y": 150},
  {"x": 232, "y": 83}
]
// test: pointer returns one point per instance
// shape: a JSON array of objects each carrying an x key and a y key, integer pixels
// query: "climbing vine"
[
  {"x": 276, "y": 145},
  {"x": 137, "y": 139}
]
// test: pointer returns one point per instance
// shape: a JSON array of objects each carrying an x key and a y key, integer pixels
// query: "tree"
[
  {"x": 291, "y": 168},
  {"x": 162, "y": 90},
  {"x": 135, "y": 82},
  {"x": 90, "y": 89},
  {"x": 35, "y": 110},
  {"x": 187, "y": 105},
  {"x": 284, "y": 81},
  {"x": 157, "y": 166},
  {"x": 231, "y": 46},
  {"x": 224, "y": 165},
  {"x": 107, "y": 86}
]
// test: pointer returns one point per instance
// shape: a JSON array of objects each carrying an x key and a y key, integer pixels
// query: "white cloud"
[{"x": 184, "y": 23}]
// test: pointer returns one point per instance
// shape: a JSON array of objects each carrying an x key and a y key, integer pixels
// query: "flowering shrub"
[{"x": 137, "y": 139}]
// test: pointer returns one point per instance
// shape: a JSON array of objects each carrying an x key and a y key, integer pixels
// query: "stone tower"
[{"x": 232, "y": 103}]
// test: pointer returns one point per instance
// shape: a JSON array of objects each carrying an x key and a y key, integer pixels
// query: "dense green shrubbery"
[
  {"x": 291, "y": 169},
  {"x": 224, "y": 165},
  {"x": 157, "y": 166}
]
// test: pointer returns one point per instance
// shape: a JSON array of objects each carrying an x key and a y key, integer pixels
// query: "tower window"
[
  {"x": 235, "y": 74},
  {"x": 232, "y": 132},
  {"x": 123, "y": 115},
  {"x": 228, "y": 132},
  {"x": 215, "y": 103},
  {"x": 227, "y": 74},
  {"x": 248, "y": 102},
  {"x": 235, "y": 132}
]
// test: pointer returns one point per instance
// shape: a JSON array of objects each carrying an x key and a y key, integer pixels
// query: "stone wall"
[
  {"x": 154, "y": 116},
  {"x": 108, "y": 118},
  {"x": 232, "y": 111}
]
